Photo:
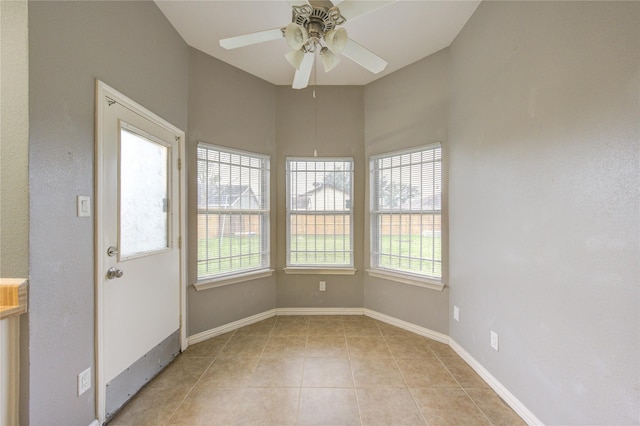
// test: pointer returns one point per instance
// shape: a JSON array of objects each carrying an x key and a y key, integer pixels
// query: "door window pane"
[{"x": 144, "y": 202}]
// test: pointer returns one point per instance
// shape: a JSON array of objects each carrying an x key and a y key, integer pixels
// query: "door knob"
[{"x": 114, "y": 273}]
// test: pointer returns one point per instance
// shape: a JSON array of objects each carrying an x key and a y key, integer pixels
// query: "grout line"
[
  {"x": 199, "y": 378},
  {"x": 395, "y": 361}
]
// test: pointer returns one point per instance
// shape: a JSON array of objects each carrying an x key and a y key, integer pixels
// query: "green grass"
[
  {"x": 228, "y": 254},
  {"x": 411, "y": 253}
]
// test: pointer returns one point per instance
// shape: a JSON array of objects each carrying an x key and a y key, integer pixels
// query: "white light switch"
[{"x": 84, "y": 206}]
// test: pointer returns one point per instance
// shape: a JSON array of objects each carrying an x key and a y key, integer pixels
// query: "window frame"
[
  {"x": 264, "y": 212},
  {"x": 396, "y": 274},
  {"x": 319, "y": 268}
]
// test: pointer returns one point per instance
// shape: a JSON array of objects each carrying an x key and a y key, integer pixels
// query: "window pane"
[
  {"x": 319, "y": 212},
  {"x": 144, "y": 201},
  {"x": 233, "y": 211},
  {"x": 406, "y": 212}
]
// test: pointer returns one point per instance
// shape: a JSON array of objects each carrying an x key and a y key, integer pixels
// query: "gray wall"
[
  {"x": 134, "y": 49},
  {"x": 544, "y": 206},
  {"x": 339, "y": 112},
  {"x": 408, "y": 109},
  {"x": 231, "y": 108},
  {"x": 14, "y": 146},
  {"x": 14, "y": 159}
]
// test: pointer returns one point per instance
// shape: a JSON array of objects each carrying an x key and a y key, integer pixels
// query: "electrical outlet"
[
  {"x": 494, "y": 340},
  {"x": 323, "y": 286},
  {"x": 84, "y": 381},
  {"x": 456, "y": 313}
]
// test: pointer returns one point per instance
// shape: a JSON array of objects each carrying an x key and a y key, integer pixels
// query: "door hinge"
[
  {"x": 179, "y": 163},
  {"x": 180, "y": 242}
]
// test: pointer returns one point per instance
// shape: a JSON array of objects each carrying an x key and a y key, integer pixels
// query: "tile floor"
[{"x": 317, "y": 370}]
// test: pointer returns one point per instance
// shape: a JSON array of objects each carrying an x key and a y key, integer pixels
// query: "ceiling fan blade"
[
  {"x": 297, "y": 2},
  {"x": 301, "y": 79},
  {"x": 352, "y": 9},
  {"x": 252, "y": 38},
  {"x": 364, "y": 57}
]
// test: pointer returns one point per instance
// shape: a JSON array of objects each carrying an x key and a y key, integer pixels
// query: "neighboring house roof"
[
  {"x": 320, "y": 187},
  {"x": 226, "y": 195},
  {"x": 302, "y": 201}
]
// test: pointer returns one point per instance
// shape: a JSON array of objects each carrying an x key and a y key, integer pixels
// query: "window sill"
[
  {"x": 233, "y": 279},
  {"x": 406, "y": 279},
  {"x": 319, "y": 271}
]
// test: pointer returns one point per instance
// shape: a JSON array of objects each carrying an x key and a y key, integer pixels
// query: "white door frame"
[{"x": 103, "y": 90}]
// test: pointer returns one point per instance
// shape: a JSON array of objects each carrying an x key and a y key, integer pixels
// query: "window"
[
  {"x": 319, "y": 213},
  {"x": 406, "y": 218},
  {"x": 233, "y": 212}
]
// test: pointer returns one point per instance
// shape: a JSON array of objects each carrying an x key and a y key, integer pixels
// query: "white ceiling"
[{"x": 401, "y": 33}]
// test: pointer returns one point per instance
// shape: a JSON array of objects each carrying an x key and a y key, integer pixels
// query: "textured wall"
[
  {"x": 408, "y": 109},
  {"x": 14, "y": 146},
  {"x": 133, "y": 48},
  {"x": 230, "y": 108},
  {"x": 544, "y": 205},
  {"x": 339, "y": 111}
]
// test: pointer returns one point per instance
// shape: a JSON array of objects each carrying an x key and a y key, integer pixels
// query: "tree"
[
  {"x": 393, "y": 195},
  {"x": 339, "y": 179}
]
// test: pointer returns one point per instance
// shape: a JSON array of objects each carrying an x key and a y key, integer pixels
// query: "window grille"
[
  {"x": 319, "y": 212},
  {"x": 406, "y": 212},
  {"x": 233, "y": 211}
]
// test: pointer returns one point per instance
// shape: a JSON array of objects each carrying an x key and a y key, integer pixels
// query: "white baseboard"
[
  {"x": 208, "y": 334},
  {"x": 94, "y": 423},
  {"x": 422, "y": 331},
  {"x": 320, "y": 311},
  {"x": 498, "y": 387}
]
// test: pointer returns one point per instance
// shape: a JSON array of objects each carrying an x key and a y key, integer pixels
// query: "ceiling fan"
[{"x": 314, "y": 29}]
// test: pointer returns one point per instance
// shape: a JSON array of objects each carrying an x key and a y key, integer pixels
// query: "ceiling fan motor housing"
[{"x": 317, "y": 21}]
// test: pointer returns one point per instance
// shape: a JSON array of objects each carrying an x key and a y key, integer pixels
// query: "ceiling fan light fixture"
[
  {"x": 329, "y": 59},
  {"x": 296, "y": 35},
  {"x": 295, "y": 58},
  {"x": 336, "y": 40}
]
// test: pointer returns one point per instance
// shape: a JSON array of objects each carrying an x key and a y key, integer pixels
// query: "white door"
[{"x": 139, "y": 221}]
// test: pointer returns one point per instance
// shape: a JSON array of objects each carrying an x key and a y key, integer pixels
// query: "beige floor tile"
[
  {"x": 285, "y": 346},
  {"x": 409, "y": 346},
  {"x": 183, "y": 372},
  {"x": 207, "y": 406},
  {"x": 268, "y": 406},
  {"x": 291, "y": 326},
  {"x": 326, "y": 346},
  {"x": 368, "y": 347},
  {"x": 376, "y": 372},
  {"x": 448, "y": 407},
  {"x": 463, "y": 373},
  {"x": 328, "y": 370},
  {"x": 328, "y": 406},
  {"x": 152, "y": 406},
  {"x": 259, "y": 328},
  {"x": 426, "y": 373},
  {"x": 393, "y": 407},
  {"x": 498, "y": 412},
  {"x": 327, "y": 327},
  {"x": 274, "y": 372},
  {"x": 361, "y": 328},
  {"x": 209, "y": 348},
  {"x": 442, "y": 350},
  {"x": 249, "y": 346},
  {"x": 228, "y": 372},
  {"x": 327, "y": 373}
]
